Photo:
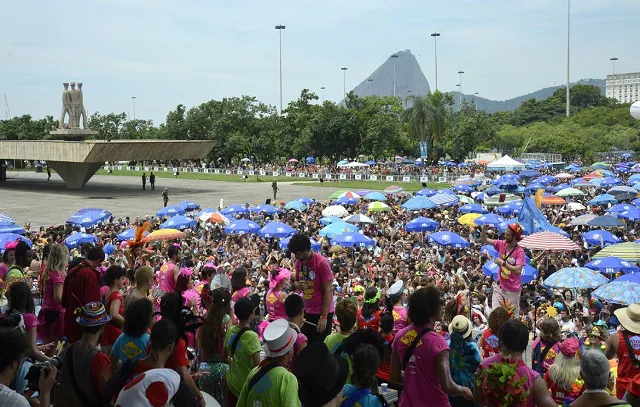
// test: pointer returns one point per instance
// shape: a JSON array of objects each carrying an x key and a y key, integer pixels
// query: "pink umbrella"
[
  {"x": 293, "y": 160},
  {"x": 548, "y": 241}
]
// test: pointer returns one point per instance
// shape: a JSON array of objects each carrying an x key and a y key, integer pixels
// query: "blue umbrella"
[
  {"x": 603, "y": 199},
  {"x": 85, "y": 210},
  {"x": 512, "y": 208},
  {"x": 12, "y": 237},
  {"x": 636, "y": 202},
  {"x": 268, "y": 209},
  {"x": 242, "y": 226},
  {"x": 336, "y": 229},
  {"x": 310, "y": 160},
  {"x": 481, "y": 197},
  {"x": 489, "y": 250},
  {"x": 295, "y": 206},
  {"x": 490, "y": 219},
  {"x": 449, "y": 239},
  {"x": 529, "y": 273},
  {"x": 631, "y": 277},
  {"x": 620, "y": 208},
  {"x": 472, "y": 208},
  {"x": 205, "y": 211},
  {"x": 343, "y": 162},
  {"x": 351, "y": 239},
  {"x": 305, "y": 200},
  {"x": 128, "y": 234},
  {"x": 77, "y": 238},
  {"x": 508, "y": 183},
  {"x": 612, "y": 265},
  {"x": 327, "y": 220},
  {"x": 12, "y": 229},
  {"x": 234, "y": 210},
  {"x": 510, "y": 176},
  {"x": 610, "y": 181},
  {"x": 529, "y": 173},
  {"x": 422, "y": 225},
  {"x": 375, "y": 196},
  {"x": 418, "y": 203},
  {"x": 600, "y": 237},
  {"x": 109, "y": 248},
  {"x": 426, "y": 192},
  {"x": 631, "y": 214},
  {"x": 6, "y": 218},
  {"x": 619, "y": 292},
  {"x": 171, "y": 210},
  {"x": 371, "y": 162},
  {"x": 575, "y": 277},
  {"x": 493, "y": 191},
  {"x": 276, "y": 229},
  {"x": 178, "y": 222},
  {"x": 345, "y": 200},
  {"x": 533, "y": 187},
  {"x": 189, "y": 205},
  {"x": 463, "y": 189},
  {"x": 88, "y": 219},
  {"x": 284, "y": 243},
  {"x": 605, "y": 221}
]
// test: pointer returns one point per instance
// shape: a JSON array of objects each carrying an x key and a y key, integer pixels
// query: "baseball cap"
[{"x": 245, "y": 306}]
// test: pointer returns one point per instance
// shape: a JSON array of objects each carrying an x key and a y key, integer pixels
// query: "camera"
[{"x": 33, "y": 375}]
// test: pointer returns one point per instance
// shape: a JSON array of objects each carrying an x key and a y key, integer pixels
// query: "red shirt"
[
  {"x": 178, "y": 358},
  {"x": 111, "y": 331},
  {"x": 384, "y": 370},
  {"x": 80, "y": 287},
  {"x": 372, "y": 322},
  {"x": 626, "y": 369},
  {"x": 559, "y": 394},
  {"x": 490, "y": 344},
  {"x": 100, "y": 366}
]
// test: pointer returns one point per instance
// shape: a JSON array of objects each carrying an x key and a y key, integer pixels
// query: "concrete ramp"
[{"x": 77, "y": 161}]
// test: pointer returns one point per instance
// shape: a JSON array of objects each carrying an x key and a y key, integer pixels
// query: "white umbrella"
[
  {"x": 355, "y": 164},
  {"x": 569, "y": 192},
  {"x": 335, "y": 210},
  {"x": 359, "y": 219},
  {"x": 575, "y": 206},
  {"x": 564, "y": 175},
  {"x": 581, "y": 220}
]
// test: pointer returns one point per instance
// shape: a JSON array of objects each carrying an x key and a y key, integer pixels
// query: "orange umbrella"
[
  {"x": 218, "y": 218},
  {"x": 594, "y": 174},
  {"x": 164, "y": 234},
  {"x": 552, "y": 200},
  {"x": 483, "y": 162}
]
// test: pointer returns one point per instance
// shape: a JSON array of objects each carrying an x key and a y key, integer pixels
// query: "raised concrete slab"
[{"x": 78, "y": 161}]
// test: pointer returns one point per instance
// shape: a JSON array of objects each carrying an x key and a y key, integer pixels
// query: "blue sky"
[{"x": 169, "y": 52}]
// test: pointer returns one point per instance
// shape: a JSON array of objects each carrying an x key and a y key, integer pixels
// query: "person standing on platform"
[
  {"x": 152, "y": 181},
  {"x": 314, "y": 278},
  {"x": 144, "y": 181}
]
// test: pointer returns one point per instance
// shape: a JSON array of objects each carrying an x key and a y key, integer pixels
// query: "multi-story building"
[{"x": 624, "y": 87}]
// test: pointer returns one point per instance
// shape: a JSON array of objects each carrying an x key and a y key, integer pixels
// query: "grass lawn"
[
  {"x": 198, "y": 175},
  {"x": 373, "y": 185}
]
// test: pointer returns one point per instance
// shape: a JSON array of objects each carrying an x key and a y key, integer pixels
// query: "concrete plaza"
[{"x": 29, "y": 197}]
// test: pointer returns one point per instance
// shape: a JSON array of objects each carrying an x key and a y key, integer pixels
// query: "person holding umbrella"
[{"x": 511, "y": 260}]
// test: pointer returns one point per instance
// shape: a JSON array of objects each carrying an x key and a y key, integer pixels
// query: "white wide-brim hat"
[{"x": 279, "y": 338}]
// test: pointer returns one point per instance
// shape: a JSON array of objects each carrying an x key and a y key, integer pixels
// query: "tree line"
[{"x": 374, "y": 126}]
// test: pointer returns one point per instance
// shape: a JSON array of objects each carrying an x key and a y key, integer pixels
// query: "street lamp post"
[
  {"x": 344, "y": 81},
  {"x": 476, "y": 99},
  {"x": 280, "y": 27},
  {"x": 133, "y": 100},
  {"x": 435, "y": 51},
  {"x": 395, "y": 57},
  {"x": 322, "y": 89},
  {"x": 568, "y": 53},
  {"x": 370, "y": 83},
  {"x": 614, "y": 59},
  {"x": 460, "y": 91}
]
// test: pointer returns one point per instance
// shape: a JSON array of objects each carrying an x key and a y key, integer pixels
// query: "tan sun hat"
[
  {"x": 461, "y": 325},
  {"x": 629, "y": 318}
]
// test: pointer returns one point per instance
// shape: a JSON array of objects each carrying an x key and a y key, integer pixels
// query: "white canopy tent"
[
  {"x": 354, "y": 164},
  {"x": 505, "y": 163}
]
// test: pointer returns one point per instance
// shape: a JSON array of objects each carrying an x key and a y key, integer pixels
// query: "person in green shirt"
[
  {"x": 271, "y": 384},
  {"x": 241, "y": 347},
  {"x": 346, "y": 311}
]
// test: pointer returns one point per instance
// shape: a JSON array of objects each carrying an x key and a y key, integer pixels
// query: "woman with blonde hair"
[
  {"x": 563, "y": 377},
  {"x": 50, "y": 318}
]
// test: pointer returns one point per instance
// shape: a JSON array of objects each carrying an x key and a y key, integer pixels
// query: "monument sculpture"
[{"x": 73, "y": 108}]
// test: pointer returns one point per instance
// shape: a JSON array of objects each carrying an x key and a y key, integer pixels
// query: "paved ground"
[{"x": 29, "y": 197}]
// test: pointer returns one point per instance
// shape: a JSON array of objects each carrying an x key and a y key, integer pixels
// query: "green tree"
[{"x": 426, "y": 117}]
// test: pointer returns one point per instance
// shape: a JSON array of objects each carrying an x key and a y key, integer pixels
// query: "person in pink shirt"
[
  {"x": 314, "y": 279},
  {"x": 239, "y": 285},
  {"x": 275, "y": 296},
  {"x": 395, "y": 307},
  {"x": 514, "y": 337},
  {"x": 8, "y": 259},
  {"x": 51, "y": 318},
  {"x": 511, "y": 259},
  {"x": 427, "y": 376},
  {"x": 170, "y": 271}
]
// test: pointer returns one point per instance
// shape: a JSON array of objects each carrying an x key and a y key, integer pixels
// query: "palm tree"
[{"x": 426, "y": 118}]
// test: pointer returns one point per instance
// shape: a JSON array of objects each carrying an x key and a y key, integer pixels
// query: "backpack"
[
  {"x": 13, "y": 320},
  {"x": 538, "y": 356}
]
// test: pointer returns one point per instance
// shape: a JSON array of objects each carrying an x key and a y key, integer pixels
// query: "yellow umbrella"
[
  {"x": 468, "y": 219},
  {"x": 164, "y": 234}
]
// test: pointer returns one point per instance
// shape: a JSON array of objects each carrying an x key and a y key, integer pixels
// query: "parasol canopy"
[
  {"x": 276, "y": 229},
  {"x": 472, "y": 208},
  {"x": 393, "y": 189},
  {"x": 295, "y": 206},
  {"x": 6, "y": 238},
  {"x": 336, "y": 229},
  {"x": 575, "y": 278},
  {"x": 605, "y": 221},
  {"x": 351, "y": 239},
  {"x": 422, "y": 225},
  {"x": 77, "y": 238},
  {"x": 548, "y": 241},
  {"x": 529, "y": 273},
  {"x": 628, "y": 251},
  {"x": 619, "y": 292},
  {"x": 178, "y": 222},
  {"x": 600, "y": 237},
  {"x": 375, "y": 196},
  {"x": 377, "y": 207},
  {"x": 612, "y": 265},
  {"x": 164, "y": 234},
  {"x": 449, "y": 239},
  {"x": 128, "y": 234},
  {"x": 490, "y": 219},
  {"x": 359, "y": 218},
  {"x": 569, "y": 192},
  {"x": 284, "y": 244},
  {"x": 335, "y": 210},
  {"x": 171, "y": 210},
  {"x": 241, "y": 227},
  {"x": 469, "y": 219},
  {"x": 188, "y": 205}
]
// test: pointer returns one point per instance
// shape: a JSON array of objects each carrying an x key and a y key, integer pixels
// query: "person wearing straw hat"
[
  {"x": 271, "y": 384},
  {"x": 625, "y": 345},
  {"x": 464, "y": 357},
  {"x": 511, "y": 260},
  {"x": 86, "y": 369}
]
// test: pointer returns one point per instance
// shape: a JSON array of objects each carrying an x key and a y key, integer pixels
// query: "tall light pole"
[
  {"x": 133, "y": 100},
  {"x": 614, "y": 59},
  {"x": 435, "y": 51},
  {"x": 280, "y": 27},
  {"x": 370, "y": 83},
  {"x": 395, "y": 57},
  {"x": 476, "y": 99},
  {"x": 459, "y": 87},
  {"x": 460, "y": 90},
  {"x": 322, "y": 88},
  {"x": 344, "y": 81},
  {"x": 568, "y": 54}
]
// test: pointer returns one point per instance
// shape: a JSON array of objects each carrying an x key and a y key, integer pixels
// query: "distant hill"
[
  {"x": 492, "y": 106},
  {"x": 410, "y": 80}
]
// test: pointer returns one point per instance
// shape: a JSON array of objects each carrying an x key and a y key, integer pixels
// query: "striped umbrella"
[
  {"x": 350, "y": 194},
  {"x": 548, "y": 241},
  {"x": 378, "y": 207},
  {"x": 393, "y": 189},
  {"x": 628, "y": 251},
  {"x": 6, "y": 218}
]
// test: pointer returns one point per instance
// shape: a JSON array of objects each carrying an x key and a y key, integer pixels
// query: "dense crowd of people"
[{"x": 211, "y": 316}]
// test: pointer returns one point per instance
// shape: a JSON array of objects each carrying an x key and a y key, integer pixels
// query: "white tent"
[
  {"x": 355, "y": 164},
  {"x": 505, "y": 163}
]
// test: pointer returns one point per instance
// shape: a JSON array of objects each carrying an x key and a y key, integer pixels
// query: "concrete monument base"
[
  {"x": 72, "y": 134},
  {"x": 75, "y": 175}
]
